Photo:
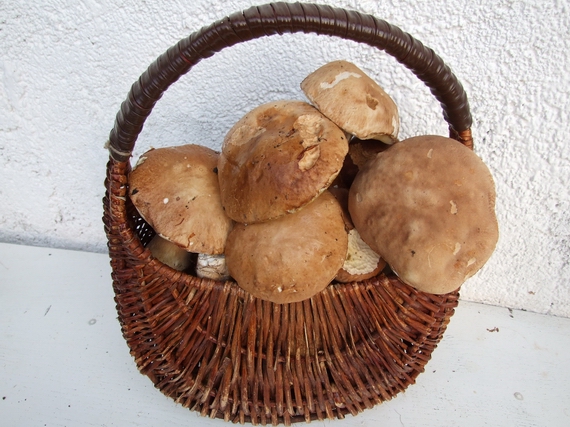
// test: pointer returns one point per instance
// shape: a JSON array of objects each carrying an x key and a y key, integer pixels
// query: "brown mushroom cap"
[
  {"x": 176, "y": 191},
  {"x": 278, "y": 158},
  {"x": 355, "y": 102},
  {"x": 293, "y": 257},
  {"x": 427, "y": 206}
]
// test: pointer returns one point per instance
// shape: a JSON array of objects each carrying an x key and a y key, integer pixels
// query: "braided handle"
[{"x": 280, "y": 18}]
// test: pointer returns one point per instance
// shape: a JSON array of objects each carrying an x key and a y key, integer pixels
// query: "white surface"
[
  {"x": 63, "y": 361},
  {"x": 65, "y": 67}
]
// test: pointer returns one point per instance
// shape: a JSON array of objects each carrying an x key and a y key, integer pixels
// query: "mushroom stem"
[
  {"x": 212, "y": 267},
  {"x": 169, "y": 253}
]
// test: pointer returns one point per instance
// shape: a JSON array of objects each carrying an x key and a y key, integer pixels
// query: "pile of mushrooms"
[{"x": 303, "y": 194}]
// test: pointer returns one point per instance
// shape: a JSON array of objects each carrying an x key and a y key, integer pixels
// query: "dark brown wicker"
[{"x": 217, "y": 350}]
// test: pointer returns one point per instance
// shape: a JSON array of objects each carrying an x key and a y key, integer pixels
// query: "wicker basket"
[{"x": 216, "y": 349}]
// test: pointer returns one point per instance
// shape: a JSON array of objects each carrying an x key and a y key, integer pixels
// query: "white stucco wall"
[{"x": 66, "y": 65}]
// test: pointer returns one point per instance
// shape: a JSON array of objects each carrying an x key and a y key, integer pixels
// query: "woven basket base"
[
  {"x": 219, "y": 351},
  {"x": 214, "y": 348}
]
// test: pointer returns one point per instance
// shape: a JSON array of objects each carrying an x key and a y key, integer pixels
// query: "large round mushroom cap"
[
  {"x": 427, "y": 206},
  {"x": 175, "y": 189},
  {"x": 291, "y": 258},
  {"x": 278, "y": 158},
  {"x": 354, "y": 101}
]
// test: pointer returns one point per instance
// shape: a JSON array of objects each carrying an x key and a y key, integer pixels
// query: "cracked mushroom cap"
[
  {"x": 352, "y": 100},
  {"x": 427, "y": 206},
  {"x": 276, "y": 159},
  {"x": 175, "y": 189},
  {"x": 291, "y": 258}
]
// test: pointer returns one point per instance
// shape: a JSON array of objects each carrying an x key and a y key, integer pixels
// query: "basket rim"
[{"x": 280, "y": 18}]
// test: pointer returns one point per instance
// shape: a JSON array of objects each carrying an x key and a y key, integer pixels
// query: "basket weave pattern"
[{"x": 216, "y": 349}]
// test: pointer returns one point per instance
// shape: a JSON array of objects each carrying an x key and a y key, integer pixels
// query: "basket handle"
[{"x": 280, "y": 18}]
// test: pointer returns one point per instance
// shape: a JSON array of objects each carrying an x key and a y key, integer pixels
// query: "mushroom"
[
  {"x": 347, "y": 173},
  {"x": 354, "y": 101},
  {"x": 170, "y": 254},
  {"x": 212, "y": 267},
  {"x": 361, "y": 262},
  {"x": 175, "y": 190},
  {"x": 360, "y": 151},
  {"x": 278, "y": 158},
  {"x": 427, "y": 206},
  {"x": 291, "y": 258}
]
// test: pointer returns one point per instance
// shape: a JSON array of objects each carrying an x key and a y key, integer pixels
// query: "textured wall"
[{"x": 65, "y": 67}]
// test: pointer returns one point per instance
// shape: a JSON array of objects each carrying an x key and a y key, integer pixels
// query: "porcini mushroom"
[
  {"x": 353, "y": 100},
  {"x": 278, "y": 158},
  {"x": 360, "y": 151},
  {"x": 363, "y": 150},
  {"x": 212, "y": 267},
  {"x": 427, "y": 206},
  {"x": 291, "y": 258},
  {"x": 175, "y": 190},
  {"x": 361, "y": 262},
  {"x": 170, "y": 254}
]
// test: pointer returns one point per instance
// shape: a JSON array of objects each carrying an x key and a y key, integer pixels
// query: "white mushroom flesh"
[
  {"x": 212, "y": 267},
  {"x": 360, "y": 258}
]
